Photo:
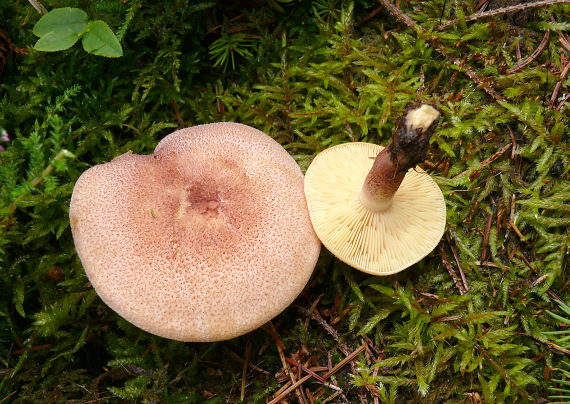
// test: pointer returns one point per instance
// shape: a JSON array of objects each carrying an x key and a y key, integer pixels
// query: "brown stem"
[
  {"x": 381, "y": 183},
  {"x": 408, "y": 148}
]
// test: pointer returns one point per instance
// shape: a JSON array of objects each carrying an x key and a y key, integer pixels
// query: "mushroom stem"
[{"x": 408, "y": 148}]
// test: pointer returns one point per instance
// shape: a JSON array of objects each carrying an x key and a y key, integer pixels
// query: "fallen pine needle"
[
  {"x": 486, "y": 264},
  {"x": 289, "y": 373},
  {"x": 540, "y": 280},
  {"x": 244, "y": 372},
  {"x": 331, "y": 372},
  {"x": 516, "y": 229},
  {"x": 290, "y": 389}
]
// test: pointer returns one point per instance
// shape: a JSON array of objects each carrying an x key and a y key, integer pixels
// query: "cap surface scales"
[
  {"x": 376, "y": 242},
  {"x": 204, "y": 240}
]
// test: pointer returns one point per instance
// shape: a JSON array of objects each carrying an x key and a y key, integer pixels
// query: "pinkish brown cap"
[{"x": 204, "y": 240}]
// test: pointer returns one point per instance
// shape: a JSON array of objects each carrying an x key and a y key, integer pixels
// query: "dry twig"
[
  {"x": 399, "y": 14},
  {"x": 351, "y": 356},
  {"x": 249, "y": 364},
  {"x": 271, "y": 331},
  {"x": 527, "y": 263},
  {"x": 289, "y": 373},
  {"x": 463, "y": 278},
  {"x": 244, "y": 372},
  {"x": 288, "y": 390},
  {"x": 313, "y": 307},
  {"x": 486, "y": 236},
  {"x": 450, "y": 269},
  {"x": 503, "y": 373},
  {"x": 516, "y": 229},
  {"x": 396, "y": 12},
  {"x": 559, "y": 83},
  {"x": 331, "y": 372},
  {"x": 331, "y": 398},
  {"x": 500, "y": 11},
  {"x": 533, "y": 56},
  {"x": 178, "y": 115},
  {"x": 488, "y": 161},
  {"x": 486, "y": 264},
  {"x": 316, "y": 316},
  {"x": 564, "y": 41},
  {"x": 343, "y": 348},
  {"x": 513, "y": 142},
  {"x": 38, "y": 6},
  {"x": 430, "y": 295},
  {"x": 306, "y": 369}
]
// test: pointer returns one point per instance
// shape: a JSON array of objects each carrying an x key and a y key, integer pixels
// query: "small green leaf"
[
  {"x": 100, "y": 40},
  {"x": 62, "y": 21},
  {"x": 52, "y": 42}
]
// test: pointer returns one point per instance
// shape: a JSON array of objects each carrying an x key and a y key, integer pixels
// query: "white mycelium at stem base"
[{"x": 367, "y": 205}]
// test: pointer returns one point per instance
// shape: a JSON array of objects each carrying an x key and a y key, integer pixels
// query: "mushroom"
[
  {"x": 204, "y": 240},
  {"x": 368, "y": 204}
]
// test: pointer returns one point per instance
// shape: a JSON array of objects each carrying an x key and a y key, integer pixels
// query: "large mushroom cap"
[
  {"x": 206, "y": 239},
  {"x": 376, "y": 242}
]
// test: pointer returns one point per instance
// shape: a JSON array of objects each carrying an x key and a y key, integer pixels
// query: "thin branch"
[
  {"x": 500, "y": 11},
  {"x": 313, "y": 307},
  {"x": 480, "y": 82},
  {"x": 503, "y": 373},
  {"x": 559, "y": 84},
  {"x": 533, "y": 56},
  {"x": 244, "y": 372},
  {"x": 331, "y": 398},
  {"x": 289, "y": 373},
  {"x": 401, "y": 16},
  {"x": 463, "y": 278},
  {"x": 514, "y": 143},
  {"x": 306, "y": 369},
  {"x": 346, "y": 360},
  {"x": 251, "y": 365},
  {"x": 331, "y": 372},
  {"x": 38, "y": 6},
  {"x": 486, "y": 162},
  {"x": 518, "y": 51},
  {"x": 317, "y": 317},
  {"x": 286, "y": 392},
  {"x": 561, "y": 104},
  {"x": 486, "y": 236},
  {"x": 564, "y": 41},
  {"x": 450, "y": 270},
  {"x": 369, "y": 16}
]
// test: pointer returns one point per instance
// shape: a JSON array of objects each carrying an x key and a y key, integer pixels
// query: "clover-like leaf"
[
  {"x": 100, "y": 40},
  {"x": 52, "y": 42},
  {"x": 62, "y": 21}
]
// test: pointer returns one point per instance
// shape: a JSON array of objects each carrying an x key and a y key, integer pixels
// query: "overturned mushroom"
[
  {"x": 206, "y": 239},
  {"x": 368, "y": 204}
]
